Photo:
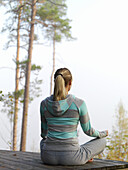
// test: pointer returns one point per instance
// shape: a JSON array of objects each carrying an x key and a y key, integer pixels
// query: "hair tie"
[{"x": 60, "y": 75}]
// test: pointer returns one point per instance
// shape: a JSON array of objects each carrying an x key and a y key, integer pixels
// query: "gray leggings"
[{"x": 78, "y": 157}]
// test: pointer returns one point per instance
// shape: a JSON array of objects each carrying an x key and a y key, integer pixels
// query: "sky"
[{"x": 97, "y": 59}]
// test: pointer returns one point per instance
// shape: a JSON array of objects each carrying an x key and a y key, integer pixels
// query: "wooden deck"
[{"x": 30, "y": 161}]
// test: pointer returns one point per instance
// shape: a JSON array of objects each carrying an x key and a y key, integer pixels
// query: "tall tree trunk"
[
  {"x": 53, "y": 70},
  {"x": 17, "y": 82},
  {"x": 27, "y": 80}
]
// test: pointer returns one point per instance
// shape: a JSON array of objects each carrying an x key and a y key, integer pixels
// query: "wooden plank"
[
  {"x": 21, "y": 155},
  {"x": 21, "y": 165},
  {"x": 29, "y": 160},
  {"x": 118, "y": 164},
  {"x": 37, "y": 163},
  {"x": 20, "y": 162}
]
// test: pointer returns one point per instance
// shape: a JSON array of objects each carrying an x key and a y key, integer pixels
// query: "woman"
[{"x": 60, "y": 115}]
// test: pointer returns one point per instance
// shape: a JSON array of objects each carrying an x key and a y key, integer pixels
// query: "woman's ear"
[{"x": 70, "y": 82}]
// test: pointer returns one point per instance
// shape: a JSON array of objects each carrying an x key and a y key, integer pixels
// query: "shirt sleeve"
[
  {"x": 86, "y": 124},
  {"x": 44, "y": 127}
]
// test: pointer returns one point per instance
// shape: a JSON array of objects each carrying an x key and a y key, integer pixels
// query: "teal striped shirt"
[{"x": 59, "y": 119}]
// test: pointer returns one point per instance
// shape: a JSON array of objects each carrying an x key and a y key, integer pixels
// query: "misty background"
[{"x": 98, "y": 61}]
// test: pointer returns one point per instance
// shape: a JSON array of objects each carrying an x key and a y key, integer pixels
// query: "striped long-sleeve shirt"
[{"x": 59, "y": 120}]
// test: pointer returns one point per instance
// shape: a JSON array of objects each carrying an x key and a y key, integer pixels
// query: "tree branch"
[
  {"x": 56, "y": 3},
  {"x": 7, "y": 68},
  {"x": 23, "y": 47},
  {"x": 21, "y": 6},
  {"x": 41, "y": 44},
  {"x": 20, "y": 29},
  {"x": 41, "y": 22}
]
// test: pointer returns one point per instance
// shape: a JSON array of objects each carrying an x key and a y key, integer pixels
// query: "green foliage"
[
  {"x": 8, "y": 104},
  {"x": 35, "y": 67},
  {"x": 35, "y": 90},
  {"x": 8, "y": 100},
  {"x": 1, "y": 96},
  {"x": 19, "y": 94},
  {"x": 117, "y": 148},
  {"x": 10, "y": 25},
  {"x": 56, "y": 25}
]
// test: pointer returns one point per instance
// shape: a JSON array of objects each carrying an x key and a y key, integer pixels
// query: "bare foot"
[{"x": 91, "y": 160}]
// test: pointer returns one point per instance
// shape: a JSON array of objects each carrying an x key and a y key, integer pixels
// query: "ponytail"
[
  {"x": 59, "y": 88},
  {"x": 61, "y": 78}
]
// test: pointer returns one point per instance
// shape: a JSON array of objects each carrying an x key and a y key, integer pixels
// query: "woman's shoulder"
[
  {"x": 78, "y": 101},
  {"x": 46, "y": 99}
]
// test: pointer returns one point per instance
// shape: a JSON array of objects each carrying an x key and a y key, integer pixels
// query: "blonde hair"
[{"x": 61, "y": 78}]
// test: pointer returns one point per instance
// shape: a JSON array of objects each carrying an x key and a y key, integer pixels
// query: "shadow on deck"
[{"x": 29, "y": 160}]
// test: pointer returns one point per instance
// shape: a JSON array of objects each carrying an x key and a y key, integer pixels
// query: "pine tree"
[
  {"x": 17, "y": 80},
  {"x": 27, "y": 80},
  {"x": 18, "y": 28},
  {"x": 16, "y": 20},
  {"x": 55, "y": 25}
]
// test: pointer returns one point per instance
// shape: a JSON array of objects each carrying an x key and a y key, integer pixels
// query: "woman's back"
[{"x": 62, "y": 119}]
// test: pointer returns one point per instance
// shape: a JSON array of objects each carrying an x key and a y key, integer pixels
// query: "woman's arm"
[
  {"x": 86, "y": 125},
  {"x": 44, "y": 127}
]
